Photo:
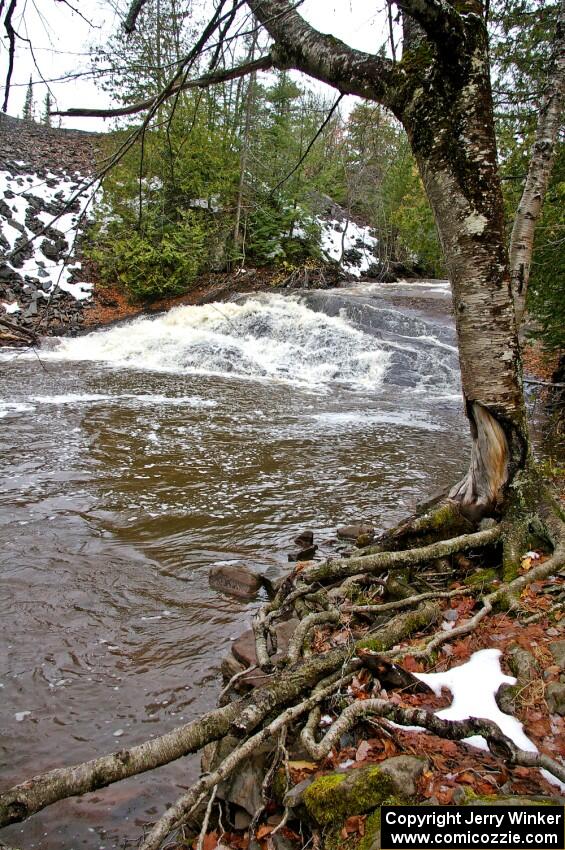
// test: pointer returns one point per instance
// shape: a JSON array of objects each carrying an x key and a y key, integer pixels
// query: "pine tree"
[
  {"x": 46, "y": 117},
  {"x": 28, "y": 113}
]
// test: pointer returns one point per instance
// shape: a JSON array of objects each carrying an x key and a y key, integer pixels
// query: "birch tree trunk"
[
  {"x": 441, "y": 92},
  {"x": 450, "y": 125},
  {"x": 539, "y": 172}
]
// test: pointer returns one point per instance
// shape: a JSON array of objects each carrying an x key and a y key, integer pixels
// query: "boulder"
[
  {"x": 352, "y": 532},
  {"x": 235, "y": 579},
  {"x": 243, "y": 648},
  {"x": 243, "y": 787},
  {"x": 230, "y": 667},
  {"x": 331, "y": 799}
]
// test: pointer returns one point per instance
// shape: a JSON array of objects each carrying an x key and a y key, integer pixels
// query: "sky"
[{"x": 61, "y": 39}]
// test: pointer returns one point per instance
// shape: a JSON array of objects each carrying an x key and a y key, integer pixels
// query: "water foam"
[{"x": 264, "y": 337}]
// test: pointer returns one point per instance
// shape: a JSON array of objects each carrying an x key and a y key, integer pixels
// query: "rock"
[
  {"x": 242, "y": 819},
  {"x": 450, "y": 615},
  {"x": 332, "y": 798},
  {"x": 243, "y": 787},
  {"x": 352, "y": 532},
  {"x": 293, "y": 798},
  {"x": 304, "y": 554},
  {"x": 555, "y": 696},
  {"x": 235, "y": 579},
  {"x": 230, "y": 666},
  {"x": 283, "y": 842},
  {"x": 557, "y": 649},
  {"x": 403, "y": 772},
  {"x": 244, "y": 647},
  {"x": 54, "y": 250},
  {"x": 305, "y": 538}
]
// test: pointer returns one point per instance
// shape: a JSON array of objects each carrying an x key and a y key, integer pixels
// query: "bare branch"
[
  {"x": 133, "y": 14},
  {"x": 299, "y": 45},
  {"x": 11, "y": 33},
  {"x": 261, "y": 64}
]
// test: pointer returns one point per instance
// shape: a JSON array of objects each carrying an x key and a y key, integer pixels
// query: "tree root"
[
  {"x": 275, "y": 704},
  {"x": 507, "y": 593},
  {"x": 186, "y": 803},
  {"x": 454, "y": 730},
  {"x": 206, "y": 820},
  {"x": 407, "y": 602},
  {"x": 383, "y": 561},
  {"x": 306, "y": 625},
  {"x": 243, "y": 715}
]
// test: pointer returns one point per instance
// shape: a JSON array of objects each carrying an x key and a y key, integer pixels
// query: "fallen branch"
[
  {"x": 179, "y": 810},
  {"x": 382, "y": 561},
  {"x": 245, "y": 714}
]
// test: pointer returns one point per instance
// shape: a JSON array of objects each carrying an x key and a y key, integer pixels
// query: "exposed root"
[
  {"x": 440, "y": 518},
  {"x": 383, "y": 561},
  {"x": 454, "y": 730},
  {"x": 174, "y": 816},
  {"x": 268, "y": 780},
  {"x": 303, "y": 684},
  {"x": 305, "y": 627},
  {"x": 243, "y": 715},
  {"x": 507, "y": 593},
  {"x": 206, "y": 820},
  {"x": 408, "y": 602}
]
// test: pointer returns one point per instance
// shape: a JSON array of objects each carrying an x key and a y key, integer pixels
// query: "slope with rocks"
[{"x": 46, "y": 189}]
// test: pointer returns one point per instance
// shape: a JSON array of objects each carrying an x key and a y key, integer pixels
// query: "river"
[{"x": 136, "y": 457}]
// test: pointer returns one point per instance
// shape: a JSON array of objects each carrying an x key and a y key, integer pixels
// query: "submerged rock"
[
  {"x": 305, "y": 539},
  {"x": 304, "y": 554},
  {"x": 356, "y": 530},
  {"x": 235, "y": 579}
]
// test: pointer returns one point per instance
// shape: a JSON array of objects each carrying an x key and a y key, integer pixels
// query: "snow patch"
[
  {"x": 474, "y": 686},
  {"x": 29, "y": 196},
  {"x": 338, "y": 238}
]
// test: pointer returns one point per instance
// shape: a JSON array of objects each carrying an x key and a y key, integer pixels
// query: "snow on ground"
[
  {"x": 349, "y": 243},
  {"x": 43, "y": 261},
  {"x": 474, "y": 686}
]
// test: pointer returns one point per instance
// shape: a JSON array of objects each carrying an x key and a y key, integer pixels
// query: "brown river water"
[{"x": 136, "y": 457}]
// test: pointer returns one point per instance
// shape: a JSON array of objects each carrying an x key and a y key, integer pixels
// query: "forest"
[{"x": 368, "y": 402}]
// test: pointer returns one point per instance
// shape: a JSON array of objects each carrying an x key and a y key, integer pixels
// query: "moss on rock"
[{"x": 332, "y": 799}]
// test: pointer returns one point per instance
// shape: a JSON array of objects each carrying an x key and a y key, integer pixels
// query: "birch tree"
[{"x": 440, "y": 91}]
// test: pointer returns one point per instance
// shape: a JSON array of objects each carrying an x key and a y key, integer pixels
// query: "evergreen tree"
[
  {"x": 29, "y": 111},
  {"x": 46, "y": 117}
]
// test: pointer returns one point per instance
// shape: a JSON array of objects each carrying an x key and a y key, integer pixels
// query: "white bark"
[{"x": 539, "y": 172}]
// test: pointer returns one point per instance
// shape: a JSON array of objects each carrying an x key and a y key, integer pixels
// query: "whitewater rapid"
[{"x": 275, "y": 337}]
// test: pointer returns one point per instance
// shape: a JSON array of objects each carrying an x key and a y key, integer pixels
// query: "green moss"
[
  {"x": 482, "y": 578},
  {"x": 330, "y": 800},
  {"x": 372, "y": 828}
]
